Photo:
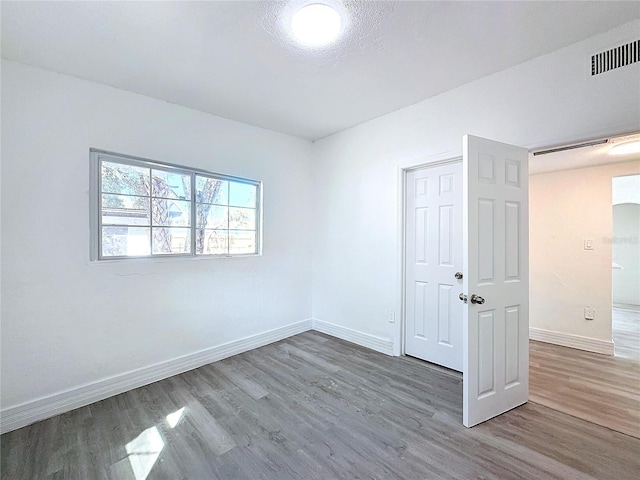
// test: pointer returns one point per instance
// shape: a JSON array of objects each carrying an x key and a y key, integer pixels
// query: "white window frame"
[{"x": 97, "y": 156}]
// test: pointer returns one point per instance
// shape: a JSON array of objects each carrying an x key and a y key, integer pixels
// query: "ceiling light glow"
[
  {"x": 626, "y": 148},
  {"x": 316, "y": 24}
]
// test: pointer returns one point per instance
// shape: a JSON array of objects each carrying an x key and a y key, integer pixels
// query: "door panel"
[
  {"x": 420, "y": 313},
  {"x": 421, "y": 246},
  {"x": 433, "y": 256},
  {"x": 495, "y": 258},
  {"x": 445, "y": 292},
  {"x": 446, "y": 236},
  {"x": 511, "y": 345}
]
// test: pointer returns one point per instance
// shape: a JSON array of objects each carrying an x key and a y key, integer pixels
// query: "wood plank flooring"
[
  {"x": 311, "y": 407},
  {"x": 601, "y": 389},
  {"x": 626, "y": 332}
]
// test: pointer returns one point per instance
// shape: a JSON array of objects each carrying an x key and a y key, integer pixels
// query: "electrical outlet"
[
  {"x": 392, "y": 317},
  {"x": 589, "y": 313}
]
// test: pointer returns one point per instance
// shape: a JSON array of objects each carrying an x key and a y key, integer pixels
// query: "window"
[{"x": 149, "y": 209}]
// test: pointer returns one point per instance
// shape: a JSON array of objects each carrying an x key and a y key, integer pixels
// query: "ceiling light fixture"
[
  {"x": 316, "y": 24},
  {"x": 625, "y": 148}
]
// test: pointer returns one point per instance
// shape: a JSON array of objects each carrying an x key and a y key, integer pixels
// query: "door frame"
[
  {"x": 534, "y": 145},
  {"x": 445, "y": 158}
]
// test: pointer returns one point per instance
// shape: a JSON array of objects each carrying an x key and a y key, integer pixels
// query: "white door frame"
[
  {"x": 432, "y": 161},
  {"x": 446, "y": 157},
  {"x": 452, "y": 155}
]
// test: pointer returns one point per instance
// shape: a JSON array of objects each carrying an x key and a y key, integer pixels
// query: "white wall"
[
  {"x": 63, "y": 318},
  {"x": 66, "y": 322},
  {"x": 626, "y": 253},
  {"x": 626, "y": 189},
  {"x": 357, "y": 242},
  {"x": 565, "y": 208}
]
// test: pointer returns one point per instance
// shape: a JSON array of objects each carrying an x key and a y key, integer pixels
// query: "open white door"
[{"x": 495, "y": 334}]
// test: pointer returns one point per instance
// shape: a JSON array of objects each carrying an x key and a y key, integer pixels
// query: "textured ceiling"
[{"x": 238, "y": 60}]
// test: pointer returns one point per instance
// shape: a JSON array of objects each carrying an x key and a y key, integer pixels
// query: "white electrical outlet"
[
  {"x": 392, "y": 317},
  {"x": 589, "y": 313}
]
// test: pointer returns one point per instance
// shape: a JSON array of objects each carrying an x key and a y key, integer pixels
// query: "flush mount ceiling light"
[
  {"x": 625, "y": 148},
  {"x": 316, "y": 24}
]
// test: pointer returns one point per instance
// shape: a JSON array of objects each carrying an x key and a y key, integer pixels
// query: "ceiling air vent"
[{"x": 615, "y": 58}]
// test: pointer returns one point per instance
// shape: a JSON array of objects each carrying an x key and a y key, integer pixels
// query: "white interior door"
[
  {"x": 433, "y": 256},
  {"x": 496, "y": 281}
]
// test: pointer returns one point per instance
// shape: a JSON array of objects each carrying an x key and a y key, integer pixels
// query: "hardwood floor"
[
  {"x": 311, "y": 407},
  {"x": 626, "y": 332},
  {"x": 598, "y": 388},
  {"x": 601, "y": 389}
]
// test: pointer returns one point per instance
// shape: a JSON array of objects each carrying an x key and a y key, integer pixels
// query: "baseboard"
[
  {"x": 627, "y": 306},
  {"x": 378, "y": 344},
  {"x": 574, "y": 341},
  {"x": 25, "y": 414}
]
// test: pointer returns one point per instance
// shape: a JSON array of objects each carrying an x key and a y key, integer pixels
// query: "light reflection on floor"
[
  {"x": 174, "y": 418},
  {"x": 144, "y": 450}
]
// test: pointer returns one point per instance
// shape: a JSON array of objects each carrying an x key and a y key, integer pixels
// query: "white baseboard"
[
  {"x": 19, "y": 416},
  {"x": 25, "y": 414},
  {"x": 574, "y": 341},
  {"x": 627, "y": 306},
  {"x": 378, "y": 344}
]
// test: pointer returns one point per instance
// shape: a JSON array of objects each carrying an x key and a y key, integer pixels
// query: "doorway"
[
  {"x": 625, "y": 256},
  {"x": 493, "y": 297},
  {"x": 577, "y": 318},
  {"x": 433, "y": 264}
]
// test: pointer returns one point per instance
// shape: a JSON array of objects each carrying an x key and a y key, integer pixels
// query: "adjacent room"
[
  {"x": 585, "y": 281},
  {"x": 317, "y": 239}
]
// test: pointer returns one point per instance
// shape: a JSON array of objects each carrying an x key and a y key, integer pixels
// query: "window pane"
[
  {"x": 171, "y": 240},
  {"x": 211, "y": 190},
  {"x": 146, "y": 209},
  {"x": 125, "y": 210},
  {"x": 212, "y": 242},
  {"x": 242, "y": 242},
  {"x": 171, "y": 185},
  {"x": 125, "y": 241},
  {"x": 126, "y": 179},
  {"x": 242, "y": 195},
  {"x": 242, "y": 218},
  {"x": 212, "y": 216},
  {"x": 171, "y": 213}
]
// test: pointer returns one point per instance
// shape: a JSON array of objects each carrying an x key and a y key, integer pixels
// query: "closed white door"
[
  {"x": 496, "y": 281},
  {"x": 433, "y": 256}
]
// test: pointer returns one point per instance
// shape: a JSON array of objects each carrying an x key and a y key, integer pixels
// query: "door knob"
[
  {"x": 458, "y": 275},
  {"x": 477, "y": 299},
  {"x": 463, "y": 297}
]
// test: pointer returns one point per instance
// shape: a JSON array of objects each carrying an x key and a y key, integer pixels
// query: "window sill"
[{"x": 158, "y": 259}]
